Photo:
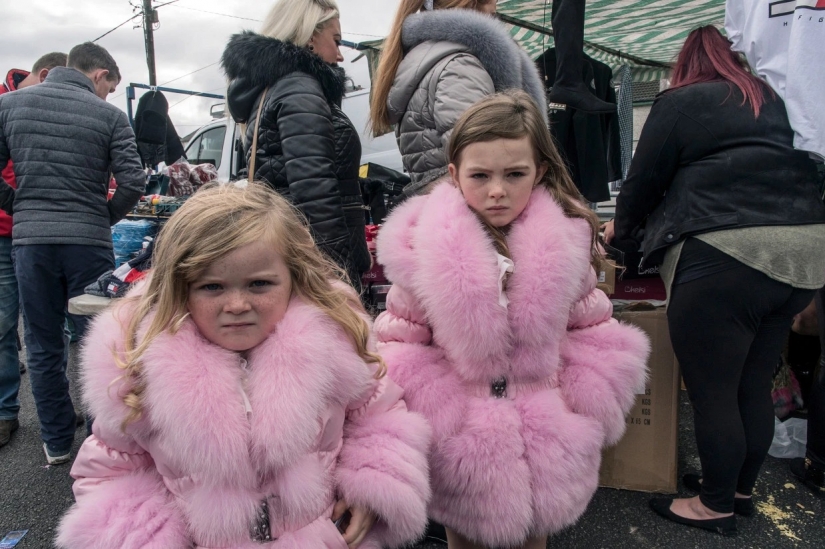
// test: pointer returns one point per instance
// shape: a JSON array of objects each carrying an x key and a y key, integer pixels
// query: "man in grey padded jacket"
[{"x": 65, "y": 142}]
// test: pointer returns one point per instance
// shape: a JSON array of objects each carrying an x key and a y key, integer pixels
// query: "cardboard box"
[
  {"x": 607, "y": 276},
  {"x": 646, "y": 459}
]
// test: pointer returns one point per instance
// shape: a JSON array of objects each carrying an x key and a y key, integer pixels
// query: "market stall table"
[{"x": 88, "y": 305}]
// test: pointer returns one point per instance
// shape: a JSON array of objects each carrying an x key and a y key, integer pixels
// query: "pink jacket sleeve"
[
  {"x": 383, "y": 464},
  {"x": 604, "y": 363},
  {"x": 403, "y": 321},
  {"x": 593, "y": 308},
  {"x": 431, "y": 386},
  {"x": 121, "y": 500}
]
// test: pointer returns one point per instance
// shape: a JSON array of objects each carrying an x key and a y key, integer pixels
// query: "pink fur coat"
[
  {"x": 195, "y": 468},
  {"x": 505, "y": 465}
]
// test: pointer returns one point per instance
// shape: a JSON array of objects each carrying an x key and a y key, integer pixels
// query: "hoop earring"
[{"x": 311, "y": 47}]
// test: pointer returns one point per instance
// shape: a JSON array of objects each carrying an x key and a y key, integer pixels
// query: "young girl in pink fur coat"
[
  {"x": 237, "y": 401},
  {"x": 497, "y": 333}
]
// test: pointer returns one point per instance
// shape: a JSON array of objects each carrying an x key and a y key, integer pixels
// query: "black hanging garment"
[
  {"x": 156, "y": 137},
  {"x": 566, "y": 80},
  {"x": 589, "y": 143}
]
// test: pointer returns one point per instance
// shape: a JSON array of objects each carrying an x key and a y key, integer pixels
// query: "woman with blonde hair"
[
  {"x": 441, "y": 57},
  {"x": 286, "y": 87},
  {"x": 238, "y": 401}
]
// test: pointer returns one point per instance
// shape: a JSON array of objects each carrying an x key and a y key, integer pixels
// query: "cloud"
[{"x": 185, "y": 41}]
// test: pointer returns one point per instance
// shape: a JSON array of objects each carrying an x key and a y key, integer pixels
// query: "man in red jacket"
[{"x": 9, "y": 300}]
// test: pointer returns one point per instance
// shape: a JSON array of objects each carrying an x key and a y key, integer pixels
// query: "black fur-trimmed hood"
[{"x": 252, "y": 62}]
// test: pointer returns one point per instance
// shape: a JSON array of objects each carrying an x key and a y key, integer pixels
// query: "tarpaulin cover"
[{"x": 644, "y": 34}]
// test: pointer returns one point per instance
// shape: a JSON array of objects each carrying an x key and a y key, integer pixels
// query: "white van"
[{"x": 220, "y": 142}]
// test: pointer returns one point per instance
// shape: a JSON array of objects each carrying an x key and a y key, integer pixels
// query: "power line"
[
  {"x": 176, "y": 79},
  {"x": 362, "y": 34},
  {"x": 113, "y": 29},
  {"x": 196, "y": 95},
  {"x": 110, "y": 31},
  {"x": 190, "y": 73},
  {"x": 216, "y": 13}
]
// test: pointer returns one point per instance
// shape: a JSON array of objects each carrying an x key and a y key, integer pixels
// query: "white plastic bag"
[{"x": 789, "y": 438}]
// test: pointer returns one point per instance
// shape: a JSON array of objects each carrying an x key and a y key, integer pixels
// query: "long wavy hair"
[
  {"x": 708, "y": 57},
  {"x": 297, "y": 20},
  {"x": 217, "y": 220},
  {"x": 514, "y": 115},
  {"x": 392, "y": 53}
]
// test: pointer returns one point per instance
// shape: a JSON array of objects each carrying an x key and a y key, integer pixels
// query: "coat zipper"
[
  {"x": 246, "y": 403},
  {"x": 261, "y": 531},
  {"x": 356, "y": 207}
]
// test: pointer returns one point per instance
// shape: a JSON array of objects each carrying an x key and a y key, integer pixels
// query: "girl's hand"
[
  {"x": 359, "y": 524},
  {"x": 609, "y": 231}
]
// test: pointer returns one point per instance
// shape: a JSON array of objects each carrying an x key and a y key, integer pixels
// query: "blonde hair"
[
  {"x": 392, "y": 53},
  {"x": 513, "y": 115},
  {"x": 216, "y": 220},
  {"x": 296, "y": 21}
]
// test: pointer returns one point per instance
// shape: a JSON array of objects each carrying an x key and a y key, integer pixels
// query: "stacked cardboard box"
[{"x": 646, "y": 458}]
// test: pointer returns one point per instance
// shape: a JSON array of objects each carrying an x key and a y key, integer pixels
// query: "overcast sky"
[{"x": 187, "y": 40}]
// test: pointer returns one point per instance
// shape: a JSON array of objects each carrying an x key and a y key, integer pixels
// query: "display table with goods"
[
  {"x": 88, "y": 305},
  {"x": 132, "y": 242}
]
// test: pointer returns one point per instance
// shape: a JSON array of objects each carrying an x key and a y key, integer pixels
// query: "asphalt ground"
[{"x": 33, "y": 496}]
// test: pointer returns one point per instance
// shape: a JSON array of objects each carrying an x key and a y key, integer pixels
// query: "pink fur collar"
[
  {"x": 194, "y": 405},
  {"x": 436, "y": 248}
]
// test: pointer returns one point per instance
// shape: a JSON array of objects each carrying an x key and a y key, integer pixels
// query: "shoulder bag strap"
[{"x": 251, "y": 167}]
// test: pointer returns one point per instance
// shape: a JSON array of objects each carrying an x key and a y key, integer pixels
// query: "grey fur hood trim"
[
  {"x": 252, "y": 62},
  {"x": 487, "y": 39}
]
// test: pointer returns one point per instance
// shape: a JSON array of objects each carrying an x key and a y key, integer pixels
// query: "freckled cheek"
[
  {"x": 273, "y": 309},
  {"x": 204, "y": 309}
]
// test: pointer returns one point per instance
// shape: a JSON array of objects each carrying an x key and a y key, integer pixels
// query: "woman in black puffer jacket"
[{"x": 308, "y": 150}]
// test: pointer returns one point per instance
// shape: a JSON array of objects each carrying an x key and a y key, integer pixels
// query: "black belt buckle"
[
  {"x": 261, "y": 530},
  {"x": 499, "y": 387}
]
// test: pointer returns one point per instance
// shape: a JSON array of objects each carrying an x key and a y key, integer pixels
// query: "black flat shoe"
[
  {"x": 741, "y": 506},
  {"x": 725, "y": 526}
]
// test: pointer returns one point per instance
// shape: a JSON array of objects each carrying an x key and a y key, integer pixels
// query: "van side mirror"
[{"x": 218, "y": 111}]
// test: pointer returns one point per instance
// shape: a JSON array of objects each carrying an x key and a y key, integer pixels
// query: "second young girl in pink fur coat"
[
  {"x": 497, "y": 333},
  {"x": 237, "y": 401}
]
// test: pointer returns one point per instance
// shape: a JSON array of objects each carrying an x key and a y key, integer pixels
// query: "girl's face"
[
  {"x": 326, "y": 43},
  {"x": 496, "y": 178},
  {"x": 239, "y": 300}
]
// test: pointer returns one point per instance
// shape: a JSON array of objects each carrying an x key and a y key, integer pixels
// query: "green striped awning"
[{"x": 645, "y": 34}]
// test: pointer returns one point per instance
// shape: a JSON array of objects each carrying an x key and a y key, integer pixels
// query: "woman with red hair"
[{"x": 733, "y": 214}]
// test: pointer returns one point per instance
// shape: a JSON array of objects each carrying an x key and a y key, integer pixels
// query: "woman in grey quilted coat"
[{"x": 441, "y": 57}]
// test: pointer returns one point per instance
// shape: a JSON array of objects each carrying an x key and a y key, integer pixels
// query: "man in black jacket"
[{"x": 65, "y": 140}]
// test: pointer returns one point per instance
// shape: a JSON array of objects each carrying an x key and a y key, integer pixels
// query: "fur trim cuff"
[{"x": 383, "y": 466}]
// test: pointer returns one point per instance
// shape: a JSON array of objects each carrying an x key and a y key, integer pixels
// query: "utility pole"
[{"x": 149, "y": 19}]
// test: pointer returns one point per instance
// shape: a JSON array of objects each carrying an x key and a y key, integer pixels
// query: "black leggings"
[{"x": 728, "y": 330}]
